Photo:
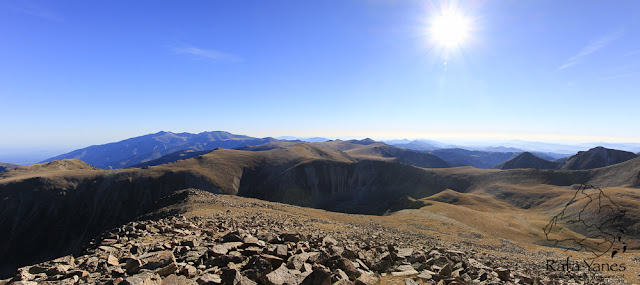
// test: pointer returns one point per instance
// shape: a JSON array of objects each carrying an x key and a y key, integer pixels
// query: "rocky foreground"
[{"x": 249, "y": 244}]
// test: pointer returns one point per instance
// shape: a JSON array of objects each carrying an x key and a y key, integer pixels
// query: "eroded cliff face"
[
  {"x": 42, "y": 217},
  {"x": 365, "y": 187}
]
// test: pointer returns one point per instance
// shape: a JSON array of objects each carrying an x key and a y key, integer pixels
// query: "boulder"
[{"x": 155, "y": 260}]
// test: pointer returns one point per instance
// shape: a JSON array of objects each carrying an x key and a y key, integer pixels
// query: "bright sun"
[{"x": 449, "y": 29}]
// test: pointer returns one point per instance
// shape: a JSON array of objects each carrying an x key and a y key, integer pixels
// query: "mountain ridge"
[
  {"x": 148, "y": 147},
  {"x": 597, "y": 157}
]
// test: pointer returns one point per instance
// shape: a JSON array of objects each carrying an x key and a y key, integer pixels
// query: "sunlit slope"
[
  {"x": 522, "y": 213},
  {"x": 47, "y": 209}
]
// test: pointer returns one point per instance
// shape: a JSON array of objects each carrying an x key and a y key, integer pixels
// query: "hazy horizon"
[{"x": 28, "y": 154}]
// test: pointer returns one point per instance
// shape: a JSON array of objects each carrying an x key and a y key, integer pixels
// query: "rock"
[
  {"x": 59, "y": 269},
  {"x": 306, "y": 268},
  {"x": 336, "y": 250},
  {"x": 252, "y": 250},
  {"x": 188, "y": 270},
  {"x": 146, "y": 278},
  {"x": 177, "y": 280},
  {"x": 223, "y": 260},
  {"x": 172, "y": 268},
  {"x": 230, "y": 276},
  {"x": 446, "y": 270},
  {"x": 155, "y": 260},
  {"x": 218, "y": 250},
  {"x": 319, "y": 276},
  {"x": 504, "y": 274},
  {"x": 112, "y": 260},
  {"x": 290, "y": 237},
  {"x": 296, "y": 261},
  {"x": 132, "y": 266},
  {"x": 367, "y": 279},
  {"x": 68, "y": 260},
  {"x": 232, "y": 245},
  {"x": 383, "y": 263},
  {"x": 279, "y": 276},
  {"x": 478, "y": 265},
  {"x": 440, "y": 261},
  {"x": 80, "y": 273},
  {"x": 404, "y": 270},
  {"x": 23, "y": 274},
  {"x": 281, "y": 251},
  {"x": 250, "y": 241},
  {"x": 340, "y": 275},
  {"x": 328, "y": 240},
  {"x": 38, "y": 268},
  {"x": 191, "y": 243},
  {"x": 185, "y": 225},
  {"x": 232, "y": 237},
  {"x": 274, "y": 260},
  {"x": 426, "y": 275},
  {"x": 24, "y": 283},
  {"x": 526, "y": 279},
  {"x": 257, "y": 267},
  {"x": 344, "y": 265},
  {"x": 209, "y": 279},
  {"x": 404, "y": 252}
]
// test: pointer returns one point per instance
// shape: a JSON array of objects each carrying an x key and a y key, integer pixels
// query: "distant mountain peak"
[
  {"x": 366, "y": 141},
  {"x": 137, "y": 150},
  {"x": 597, "y": 157},
  {"x": 527, "y": 160}
]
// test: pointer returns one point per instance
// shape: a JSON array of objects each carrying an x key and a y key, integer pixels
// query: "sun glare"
[{"x": 449, "y": 29}]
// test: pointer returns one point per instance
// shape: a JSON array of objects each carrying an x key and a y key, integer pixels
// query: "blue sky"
[{"x": 76, "y": 73}]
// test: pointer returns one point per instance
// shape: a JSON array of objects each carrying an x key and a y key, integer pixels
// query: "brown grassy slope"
[
  {"x": 371, "y": 150},
  {"x": 48, "y": 209},
  {"x": 47, "y": 167},
  {"x": 520, "y": 213}
]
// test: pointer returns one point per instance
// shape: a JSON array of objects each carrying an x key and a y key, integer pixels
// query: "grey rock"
[
  {"x": 146, "y": 278},
  {"x": 209, "y": 279},
  {"x": 156, "y": 260}
]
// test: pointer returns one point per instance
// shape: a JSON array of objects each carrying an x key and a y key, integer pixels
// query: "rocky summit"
[{"x": 216, "y": 239}]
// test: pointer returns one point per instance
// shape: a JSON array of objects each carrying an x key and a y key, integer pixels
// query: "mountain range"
[
  {"x": 141, "y": 149},
  {"x": 594, "y": 158},
  {"x": 165, "y": 147}
]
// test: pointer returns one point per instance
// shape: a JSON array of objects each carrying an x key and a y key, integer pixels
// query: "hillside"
[
  {"x": 356, "y": 149},
  {"x": 7, "y": 166},
  {"x": 528, "y": 160},
  {"x": 145, "y": 148},
  {"x": 369, "y": 149},
  {"x": 475, "y": 158},
  {"x": 172, "y": 157},
  {"x": 51, "y": 209},
  {"x": 594, "y": 158},
  {"x": 597, "y": 157},
  {"x": 195, "y": 237}
]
